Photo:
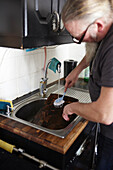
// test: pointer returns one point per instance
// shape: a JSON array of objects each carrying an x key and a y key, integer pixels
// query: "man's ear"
[{"x": 100, "y": 25}]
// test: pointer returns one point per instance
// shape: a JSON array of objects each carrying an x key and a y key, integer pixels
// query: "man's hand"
[{"x": 67, "y": 111}]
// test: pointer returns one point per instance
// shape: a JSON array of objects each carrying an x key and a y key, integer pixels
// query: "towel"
[{"x": 54, "y": 64}]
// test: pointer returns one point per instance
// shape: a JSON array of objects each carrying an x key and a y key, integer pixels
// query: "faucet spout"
[
  {"x": 47, "y": 68},
  {"x": 59, "y": 68},
  {"x": 54, "y": 65}
]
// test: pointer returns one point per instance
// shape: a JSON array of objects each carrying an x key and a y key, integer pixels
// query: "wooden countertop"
[{"x": 50, "y": 141}]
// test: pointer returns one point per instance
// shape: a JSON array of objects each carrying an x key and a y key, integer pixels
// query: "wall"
[{"x": 20, "y": 71}]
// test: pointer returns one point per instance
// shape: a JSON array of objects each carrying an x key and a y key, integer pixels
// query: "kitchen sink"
[{"x": 31, "y": 112}]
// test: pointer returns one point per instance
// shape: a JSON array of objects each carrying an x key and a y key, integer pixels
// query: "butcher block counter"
[{"x": 50, "y": 141}]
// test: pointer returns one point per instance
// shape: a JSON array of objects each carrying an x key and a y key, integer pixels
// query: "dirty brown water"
[{"x": 51, "y": 117}]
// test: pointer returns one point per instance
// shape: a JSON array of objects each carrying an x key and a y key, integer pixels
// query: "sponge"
[{"x": 4, "y": 104}]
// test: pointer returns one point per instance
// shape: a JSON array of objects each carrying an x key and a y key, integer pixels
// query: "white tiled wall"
[{"x": 20, "y": 71}]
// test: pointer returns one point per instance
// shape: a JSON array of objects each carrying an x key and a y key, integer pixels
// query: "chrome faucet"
[{"x": 43, "y": 81}]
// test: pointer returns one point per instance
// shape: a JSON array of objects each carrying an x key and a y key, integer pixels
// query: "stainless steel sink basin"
[{"x": 29, "y": 111}]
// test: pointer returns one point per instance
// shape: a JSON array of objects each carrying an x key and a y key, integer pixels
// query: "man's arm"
[
  {"x": 73, "y": 76},
  {"x": 99, "y": 111}
]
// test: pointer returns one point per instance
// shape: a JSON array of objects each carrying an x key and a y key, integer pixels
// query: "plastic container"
[{"x": 86, "y": 74}]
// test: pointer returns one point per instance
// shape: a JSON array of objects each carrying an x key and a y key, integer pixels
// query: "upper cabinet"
[{"x": 32, "y": 23}]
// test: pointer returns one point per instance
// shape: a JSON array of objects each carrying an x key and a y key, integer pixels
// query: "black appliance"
[{"x": 69, "y": 65}]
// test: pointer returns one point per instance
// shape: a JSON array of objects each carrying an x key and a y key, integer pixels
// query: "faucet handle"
[
  {"x": 8, "y": 113},
  {"x": 43, "y": 83}
]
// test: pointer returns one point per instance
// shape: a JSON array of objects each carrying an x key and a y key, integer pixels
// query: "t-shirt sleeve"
[{"x": 107, "y": 69}]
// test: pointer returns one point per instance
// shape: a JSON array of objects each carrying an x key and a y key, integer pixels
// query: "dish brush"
[{"x": 59, "y": 102}]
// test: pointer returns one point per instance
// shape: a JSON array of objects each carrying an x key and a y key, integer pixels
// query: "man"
[{"x": 91, "y": 21}]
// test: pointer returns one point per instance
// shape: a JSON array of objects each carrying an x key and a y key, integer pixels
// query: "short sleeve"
[{"x": 107, "y": 69}]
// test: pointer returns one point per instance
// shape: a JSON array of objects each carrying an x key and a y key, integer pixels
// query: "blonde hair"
[{"x": 87, "y": 9}]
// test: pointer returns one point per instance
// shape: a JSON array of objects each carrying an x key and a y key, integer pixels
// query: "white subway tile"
[
  {"x": 24, "y": 85},
  {"x": 20, "y": 71},
  {"x": 8, "y": 90}
]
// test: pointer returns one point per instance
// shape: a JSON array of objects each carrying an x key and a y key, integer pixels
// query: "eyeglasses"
[{"x": 75, "y": 40}]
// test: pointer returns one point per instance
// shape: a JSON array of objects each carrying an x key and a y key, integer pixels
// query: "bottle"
[{"x": 86, "y": 74}]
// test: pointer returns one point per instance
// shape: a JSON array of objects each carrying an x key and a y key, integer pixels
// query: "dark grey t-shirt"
[{"x": 102, "y": 74}]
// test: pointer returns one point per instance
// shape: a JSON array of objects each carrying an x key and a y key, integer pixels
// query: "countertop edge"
[{"x": 38, "y": 136}]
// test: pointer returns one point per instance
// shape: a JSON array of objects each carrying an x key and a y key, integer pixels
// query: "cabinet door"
[
  {"x": 11, "y": 23},
  {"x": 40, "y": 26},
  {"x": 36, "y": 17},
  {"x": 41, "y": 14},
  {"x": 10, "y": 12}
]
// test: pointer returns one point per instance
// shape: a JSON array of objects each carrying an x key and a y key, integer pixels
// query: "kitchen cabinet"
[{"x": 29, "y": 24}]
